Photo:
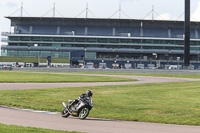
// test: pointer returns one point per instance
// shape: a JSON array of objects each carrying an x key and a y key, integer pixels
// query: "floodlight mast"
[
  {"x": 22, "y": 9},
  {"x": 187, "y": 35}
]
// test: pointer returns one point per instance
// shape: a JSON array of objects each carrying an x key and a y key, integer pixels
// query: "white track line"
[{"x": 30, "y": 110}]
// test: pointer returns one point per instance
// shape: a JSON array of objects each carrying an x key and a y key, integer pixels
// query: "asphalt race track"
[
  {"x": 142, "y": 80},
  {"x": 92, "y": 125}
]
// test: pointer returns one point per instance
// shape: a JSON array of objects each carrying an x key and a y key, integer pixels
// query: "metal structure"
[{"x": 187, "y": 35}]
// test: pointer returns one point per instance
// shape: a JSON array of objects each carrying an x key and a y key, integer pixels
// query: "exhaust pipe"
[{"x": 64, "y": 104}]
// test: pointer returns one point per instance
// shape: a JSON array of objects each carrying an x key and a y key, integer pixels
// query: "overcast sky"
[{"x": 134, "y": 9}]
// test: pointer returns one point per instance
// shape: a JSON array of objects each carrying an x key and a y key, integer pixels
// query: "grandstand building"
[
  {"x": 3, "y": 40},
  {"x": 103, "y": 42}
]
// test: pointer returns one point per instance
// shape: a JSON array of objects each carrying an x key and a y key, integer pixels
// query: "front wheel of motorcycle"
[
  {"x": 84, "y": 112},
  {"x": 65, "y": 113}
]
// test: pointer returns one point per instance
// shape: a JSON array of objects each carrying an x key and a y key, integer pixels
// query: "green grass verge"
[
  {"x": 195, "y": 76},
  {"x": 174, "y": 103},
  {"x": 32, "y": 59},
  {"x": 42, "y": 78},
  {"x": 19, "y": 129}
]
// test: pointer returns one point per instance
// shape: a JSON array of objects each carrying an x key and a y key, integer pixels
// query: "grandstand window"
[
  {"x": 66, "y": 45},
  {"x": 125, "y": 41},
  {"x": 170, "y": 48},
  {"x": 193, "y": 48},
  {"x": 56, "y": 45},
  {"x": 178, "y": 48},
  {"x": 36, "y": 39},
  {"x": 34, "y": 53},
  {"x": 49, "y": 39},
  {"x": 102, "y": 40},
  {"x": 30, "y": 44},
  {"x": 14, "y": 44},
  {"x": 165, "y": 42},
  {"x": 102, "y": 46},
  {"x": 155, "y": 47},
  {"x": 91, "y": 40},
  {"x": 45, "y": 45},
  {"x": 69, "y": 39},
  {"x": 156, "y": 41},
  {"x": 169, "y": 41},
  {"x": 149, "y": 41},
  {"x": 114, "y": 40},
  {"x": 90, "y": 55},
  {"x": 179, "y": 42},
  {"x": 22, "y": 38},
  {"x": 23, "y": 53},
  {"x": 162, "y": 42},
  {"x": 58, "y": 39},
  {"x": 80, "y": 39},
  {"x": 93, "y": 46},
  {"x": 4, "y": 52},
  {"x": 45, "y": 53},
  {"x": 124, "y": 46},
  {"x": 13, "y": 38},
  {"x": 22, "y": 44},
  {"x": 112, "y": 46},
  {"x": 147, "y": 47},
  {"x": 79, "y": 45},
  {"x": 57, "y": 54},
  {"x": 136, "y": 47},
  {"x": 143, "y": 41},
  {"x": 12, "y": 53},
  {"x": 193, "y": 43},
  {"x": 137, "y": 41},
  {"x": 66, "y": 54},
  {"x": 197, "y": 43}
]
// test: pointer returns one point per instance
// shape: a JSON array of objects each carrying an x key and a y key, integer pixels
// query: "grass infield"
[
  {"x": 16, "y": 77},
  {"x": 195, "y": 76},
  {"x": 20, "y": 129},
  {"x": 174, "y": 103}
]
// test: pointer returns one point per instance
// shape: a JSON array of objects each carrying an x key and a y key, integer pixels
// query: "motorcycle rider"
[{"x": 84, "y": 97}]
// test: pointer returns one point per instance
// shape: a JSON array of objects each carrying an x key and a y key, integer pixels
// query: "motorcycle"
[{"x": 80, "y": 109}]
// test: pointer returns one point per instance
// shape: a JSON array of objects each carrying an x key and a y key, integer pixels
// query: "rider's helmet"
[{"x": 89, "y": 93}]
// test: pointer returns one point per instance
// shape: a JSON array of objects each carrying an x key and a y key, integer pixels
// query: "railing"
[{"x": 150, "y": 36}]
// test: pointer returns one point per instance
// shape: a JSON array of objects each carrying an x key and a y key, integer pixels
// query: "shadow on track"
[{"x": 94, "y": 119}]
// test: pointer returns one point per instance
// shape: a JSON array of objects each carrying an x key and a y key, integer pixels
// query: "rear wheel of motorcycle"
[
  {"x": 84, "y": 112},
  {"x": 65, "y": 113}
]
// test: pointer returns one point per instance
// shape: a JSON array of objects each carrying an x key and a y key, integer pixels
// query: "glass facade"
[
  {"x": 90, "y": 55},
  {"x": 36, "y": 53},
  {"x": 114, "y": 43},
  {"x": 119, "y": 43}
]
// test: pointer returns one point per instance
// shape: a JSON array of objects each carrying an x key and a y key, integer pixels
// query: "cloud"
[
  {"x": 124, "y": 0},
  {"x": 196, "y": 14},
  {"x": 165, "y": 16},
  {"x": 11, "y": 4}
]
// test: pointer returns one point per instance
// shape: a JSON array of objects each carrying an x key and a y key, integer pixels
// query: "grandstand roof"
[{"x": 99, "y": 22}]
